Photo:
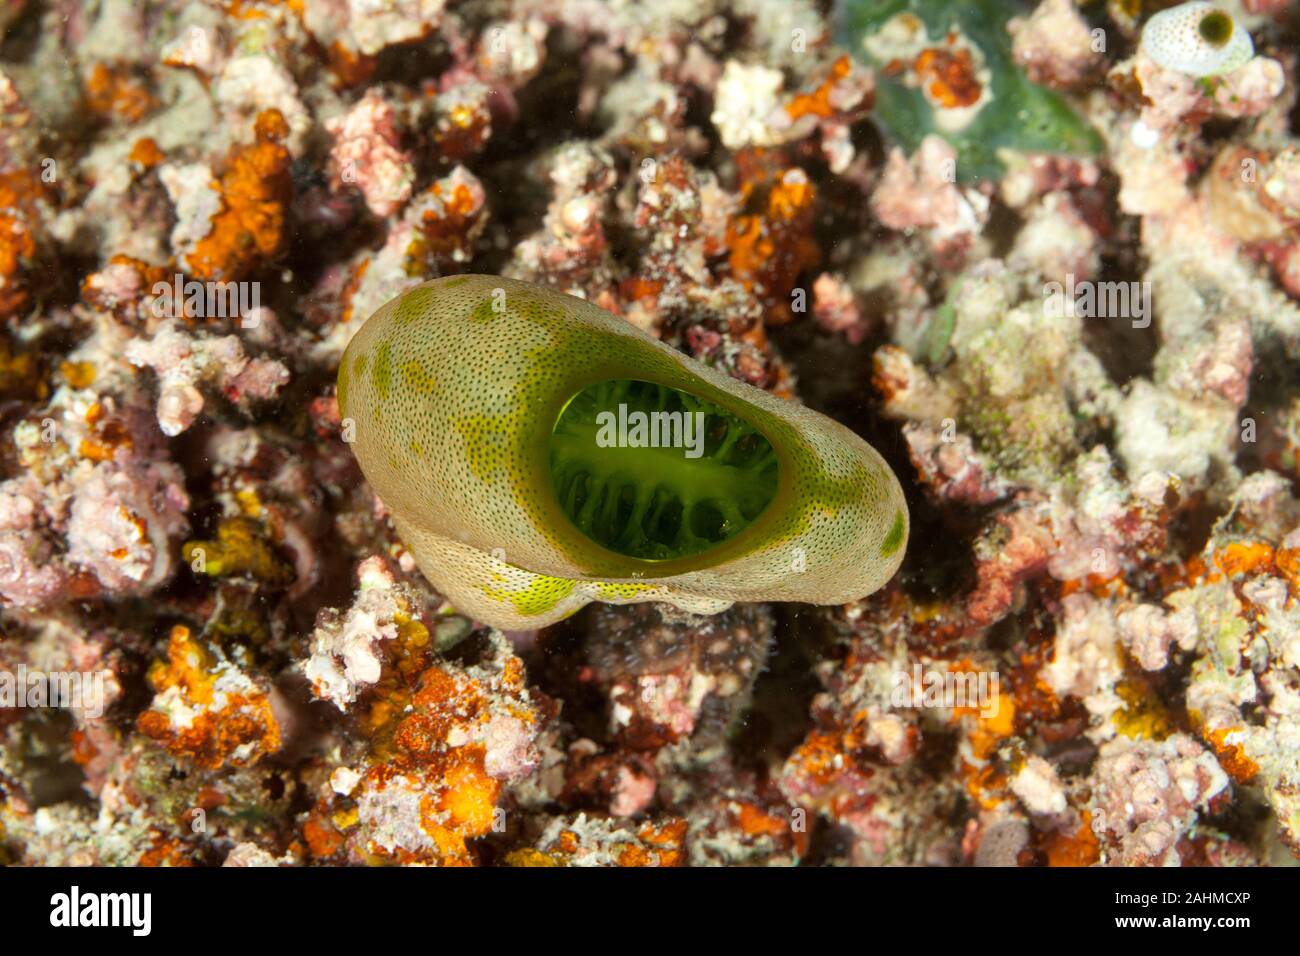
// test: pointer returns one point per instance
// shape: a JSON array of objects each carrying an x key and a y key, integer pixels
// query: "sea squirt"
[
  {"x": 537, "y": 453},
  {"x": 1198, "y": 39}
]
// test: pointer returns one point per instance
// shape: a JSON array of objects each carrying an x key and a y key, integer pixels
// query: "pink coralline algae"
[
  {"x": 120, "y": 524},
  {"x": 923, "y": 194},
  {"x": 367, "y": 151},
  {"x": 29, "y": 574},
  {"x": 1149, "y": 795},
  {"x": 1055, "y": 45},
  {"x": 182, "y": 361}
]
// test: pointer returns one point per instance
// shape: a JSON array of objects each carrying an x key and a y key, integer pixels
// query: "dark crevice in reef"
[
  {"x": 555, "y": 664},
  {"x": 869, "y": 143},
  {"x": 410, "y": 64},
  {"x": 778, "y": 716},
  {"x": 59, "y": 286},
  {"x": 833, "y": 378},
  {"x": 1125, "y": 351},
  {"x": 507, "y": 167},
  {"x": 1218, "y": 130},
  {"x": 55, "y": 777},
  {"x": 1190, "y": 529},
  {"x": 18, "y": 41},
  {"x": 1003, "y": 226},
  {"x": 1272, "y": 381},
  {"x": 843, "y": 216}
]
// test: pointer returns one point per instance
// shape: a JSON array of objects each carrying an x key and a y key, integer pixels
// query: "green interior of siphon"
[{"x": 658, "y": 503}]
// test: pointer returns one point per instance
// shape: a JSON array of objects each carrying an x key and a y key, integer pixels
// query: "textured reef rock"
[{"x": 1044, "y": 255}]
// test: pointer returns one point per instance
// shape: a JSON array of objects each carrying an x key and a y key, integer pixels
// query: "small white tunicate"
[{"x": 1198, "y": 39}]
